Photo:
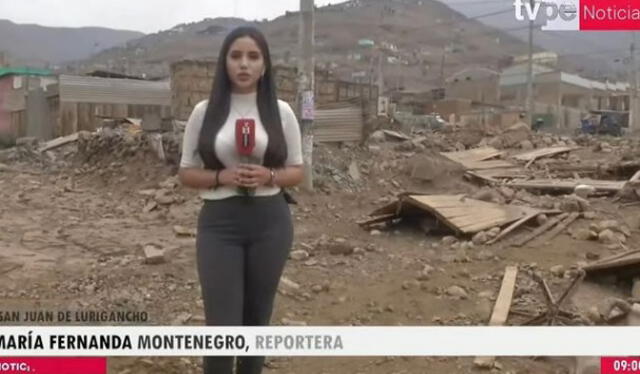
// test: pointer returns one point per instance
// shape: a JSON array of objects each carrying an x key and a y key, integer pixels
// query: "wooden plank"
[
  {"x": 614, "y": 261},
  {"x": 396, "y": 135},
  {"x": 567, "y": 184},
  {"x": 562, "y": 226},
  {"x": 513, "y": 226},
  {"x": 477, "y": 154},
  {"x": 383, "y": 218},
  {"x": 538, "y": 231},
  {"x": 543, "y": 152},
  {"x": 59, "y": 142},
  {"x": 500, "y": 310},
  {"x": 485, "y": 165}
]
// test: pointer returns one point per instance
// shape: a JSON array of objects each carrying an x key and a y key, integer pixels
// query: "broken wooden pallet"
[
  {"x": 478, "y": 158},
  {"x": 461, "y": 214}
]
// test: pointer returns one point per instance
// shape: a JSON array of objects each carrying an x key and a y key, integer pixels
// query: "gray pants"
[{"x": 242, "y": 247}]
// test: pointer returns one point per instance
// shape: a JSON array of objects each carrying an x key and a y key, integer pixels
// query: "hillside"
[
  {"x": 38, "y": 45},
  {"x": 416, "y": 34}
]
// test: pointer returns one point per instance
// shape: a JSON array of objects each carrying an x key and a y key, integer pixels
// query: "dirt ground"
[{"x": 74, "y": 224}]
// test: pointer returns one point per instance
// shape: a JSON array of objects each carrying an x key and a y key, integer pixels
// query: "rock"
[
  {"x": 184, "y": 231},
  {"x": 584, "y": 234},
  {"x": 340, "y": 248},
  {"x": 359, "y": 251},
  {"x": 592, "y": 256},
  {"x": 608, "y": 237},
  {"x": 486, "y": 295},
  {"x": 480, "y": 238},
  {"x": 625, "y": 230},
  {"x": 494, "y": 232},
  {"x": 407, "y": 285},
  {"x": 593, "y": 314},
  {"x": 457, "y": 291},
  {"x": 317, "y": 288},
  {"x": 290, "y": 322},
  {"x": 507, "y": 192},
  {"x": 164, "y": 197},
  {"x": 557, "y": 270},
  {"x": 147, "y": 193},
  {"x": 589, "y": 215},
  {"x": 289, "y": 284},
  {"x": 609, "y": 224},
  {"x": 465, "y": 246},
  {"x": 526, "y": 145},
  {"x": 584, "y": 190},
  {"x": 153, "y": 255},
  {"x": 484, "y": 255},
  {"x": 150, "y": 206},
  {"x": 354, "y": 171},
  {"x": 375, "y": 149},
  {"x": 425, "y": 273},
  {"x": 449, "y": 240},
  {"x": 573, "y": 203},
  {"x": 299, "y": 255},
  {"x": 378, "y": 137},
  {"x": 542, "y": 219},
  {"x": 375, "y": 233}
]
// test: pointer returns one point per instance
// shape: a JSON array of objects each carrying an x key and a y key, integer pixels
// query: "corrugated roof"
[
  {"x": 113, "y": 91},
  {"x": 24, "y": 71},
  {"x": 517, "y": 74}
]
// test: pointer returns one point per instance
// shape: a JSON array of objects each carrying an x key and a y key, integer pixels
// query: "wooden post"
[{"x": 306, "y": 100}]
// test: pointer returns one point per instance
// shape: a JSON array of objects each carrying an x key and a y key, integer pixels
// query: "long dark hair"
[{"x": 220, "y": 104}]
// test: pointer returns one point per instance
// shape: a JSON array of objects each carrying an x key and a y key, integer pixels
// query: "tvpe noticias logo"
[{"x": 559, "y": 15}]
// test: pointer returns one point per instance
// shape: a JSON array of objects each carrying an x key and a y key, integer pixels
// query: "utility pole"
[
  {"x": 530, "y": 102},
  {"x": 634, "y": 114},
  {"x": 306, "y": 73},
  {"x": 442, "y": 62}
]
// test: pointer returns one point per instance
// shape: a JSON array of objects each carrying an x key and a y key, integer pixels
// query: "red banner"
[
  {"x": 616, "y": 365},
  {"x": 609, "y": 15},
  {"x": 61, "y": 365}
]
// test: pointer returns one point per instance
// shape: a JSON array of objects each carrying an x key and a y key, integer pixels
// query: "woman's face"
[{"x": 245, "y": 65}]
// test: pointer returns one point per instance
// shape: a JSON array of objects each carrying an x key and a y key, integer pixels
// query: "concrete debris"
[{"x": 153, "y": 255}]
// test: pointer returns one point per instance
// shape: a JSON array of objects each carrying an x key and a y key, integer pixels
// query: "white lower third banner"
[{"x": 84, "y": 341}]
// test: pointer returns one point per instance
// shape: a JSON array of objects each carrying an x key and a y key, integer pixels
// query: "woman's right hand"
[{"x": 233, "y": 176}]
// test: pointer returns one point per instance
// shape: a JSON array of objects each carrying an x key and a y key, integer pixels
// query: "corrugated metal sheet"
[
  {"x": 339, "y": 125},
  {"x": 113, "y": 91}
]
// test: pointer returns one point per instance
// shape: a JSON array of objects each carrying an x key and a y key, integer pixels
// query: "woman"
[{"x": 245, "y": 230}]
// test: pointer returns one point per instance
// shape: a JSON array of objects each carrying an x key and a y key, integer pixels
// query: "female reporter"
[{"x": 240, "y": 148}]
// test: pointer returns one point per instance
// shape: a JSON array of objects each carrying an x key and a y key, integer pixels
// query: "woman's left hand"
[{"x": 252, "y": 176}]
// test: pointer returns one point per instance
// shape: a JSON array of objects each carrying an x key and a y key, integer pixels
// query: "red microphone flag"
[{"x": 245, "y": 136}]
